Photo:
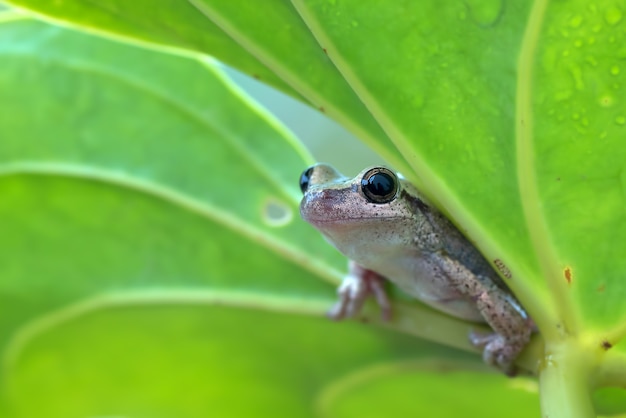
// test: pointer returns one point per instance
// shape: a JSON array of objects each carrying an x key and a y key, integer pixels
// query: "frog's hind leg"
[
  {"x": 500, "y": 310},
  {"x": 358, "y": 285},
  {"x": 511, "y": 325}
]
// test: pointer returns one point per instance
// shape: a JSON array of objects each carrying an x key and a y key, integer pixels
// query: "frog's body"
[{"x": 384, "y": 225}]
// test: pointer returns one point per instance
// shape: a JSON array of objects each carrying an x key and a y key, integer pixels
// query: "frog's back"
[
  {"x": 450, "y": 240},
  {"x": 460, "y": 248}
]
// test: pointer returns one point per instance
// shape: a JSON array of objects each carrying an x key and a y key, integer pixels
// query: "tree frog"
[{"x": 388, "y": 230}]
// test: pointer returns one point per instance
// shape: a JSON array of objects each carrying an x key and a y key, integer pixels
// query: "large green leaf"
[
  {"x": 174, "y": 24},
  {"x": 93, "y": 123},
  {"x": 178, "y": 24},
  {"x": 518, "y": 99},
  {"x": 198, "y": 361},
  {"x": 579, "y": 155},
  {"x": 310, "y": 71}
]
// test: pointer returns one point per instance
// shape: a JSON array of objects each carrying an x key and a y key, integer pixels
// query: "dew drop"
[
  {"x": 606, "y": 101},
  {"x": 577, "y": 74},
  {"x": 562, "y": 95},
  {"x": 576, "y": 21},
  {"x": 613, "y": 15},
  {"x": 485, "y": 12},
  {"x": 355, "y": 23},
  {"x": 578, "y": 43},
  {"x": 620, "y": 120},
  {"x": 615, "y": 70}
]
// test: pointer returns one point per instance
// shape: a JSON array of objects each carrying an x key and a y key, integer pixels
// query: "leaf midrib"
[
  {"x": 223, "y": 217},
  {"x": 561, "y": 311}
]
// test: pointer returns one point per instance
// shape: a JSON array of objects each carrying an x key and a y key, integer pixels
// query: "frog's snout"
[{"x": 321, "y": 205}]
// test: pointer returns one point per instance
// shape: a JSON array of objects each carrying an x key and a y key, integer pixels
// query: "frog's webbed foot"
[
  {"x": 359, "y": 284},
  {"x": 511, "y": 325},
  {"x": 498, "y": 351}
]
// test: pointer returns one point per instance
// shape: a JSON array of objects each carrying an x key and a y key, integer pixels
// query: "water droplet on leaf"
[
  {"x": 576, "y": 21},
  {"x": 606, "y": 101},
  {"x": 485, "y": 12},
  {"x": 613, "y": 15}
]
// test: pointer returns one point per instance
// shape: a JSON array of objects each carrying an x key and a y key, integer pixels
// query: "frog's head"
[{"x": 376, "y": 207}]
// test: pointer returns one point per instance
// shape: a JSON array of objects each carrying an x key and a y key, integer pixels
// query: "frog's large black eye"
[
  {"x": 379, "y": 185},
  {"x": 304, "y": 179}
]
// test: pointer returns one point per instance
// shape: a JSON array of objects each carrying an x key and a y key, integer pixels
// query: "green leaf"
[
  {"x": 454, "y": 115},
  {"x": 88, "y": 122},
  {"x": 520, "y": 119},
  {"x": 309, "y": 71},
  {"x": 118, "y": 179},
  {"x": 173, "y": 25},
  {"x": 580, "y": 125},
  {"x": 199, "y": 361}
]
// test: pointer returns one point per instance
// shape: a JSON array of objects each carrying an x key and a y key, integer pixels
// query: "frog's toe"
[
  {"x": 337, "y": 312},
  {"x": 354, "y": 291},
  {"x": 480, "y": 339},
  {"x": 497, "y": 351},
  {"x": 352, "y": 294}
]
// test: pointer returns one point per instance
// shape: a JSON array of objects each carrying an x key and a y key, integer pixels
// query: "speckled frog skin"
[{"x": 389, "y": 231}]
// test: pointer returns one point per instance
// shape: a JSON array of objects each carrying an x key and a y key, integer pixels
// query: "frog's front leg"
[
  {"x": 501, "y": 311},
  {"x": 359, "y": 284}
]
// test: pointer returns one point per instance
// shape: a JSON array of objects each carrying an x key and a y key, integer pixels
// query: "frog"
[{"x": 390, "y": 232}]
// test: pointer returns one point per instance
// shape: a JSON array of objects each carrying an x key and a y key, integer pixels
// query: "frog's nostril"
[{"x": 305, "y": 177}]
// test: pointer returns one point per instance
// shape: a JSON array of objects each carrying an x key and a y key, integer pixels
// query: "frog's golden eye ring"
[
  {"x": 305, "y": 177},
  {"x": 379, "y": 185}
]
